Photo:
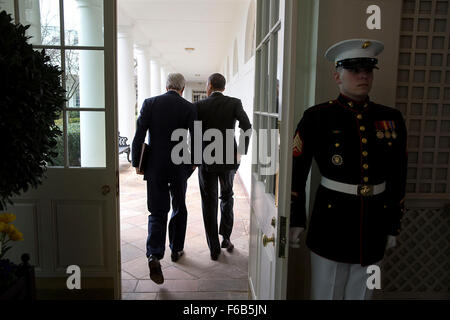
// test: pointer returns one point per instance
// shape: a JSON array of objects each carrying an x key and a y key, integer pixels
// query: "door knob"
[
  {"x": 266, "y": 240},
  {"x": 106, "y": 189}
]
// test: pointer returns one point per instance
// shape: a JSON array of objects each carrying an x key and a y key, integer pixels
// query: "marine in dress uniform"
[
  {"x": 360, "y": 149},
  {"x": 166, "y": 181}
]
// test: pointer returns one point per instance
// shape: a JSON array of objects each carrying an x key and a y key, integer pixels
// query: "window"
[
  {"x": 267, "y": 88},
  {"x": 58, "y": 26},
  {"x": 198, "y": 95}
]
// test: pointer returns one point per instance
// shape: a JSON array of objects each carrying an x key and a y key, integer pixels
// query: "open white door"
[
  {"x": 72, "y": 219},
  {"x": 272, "y": 119}
]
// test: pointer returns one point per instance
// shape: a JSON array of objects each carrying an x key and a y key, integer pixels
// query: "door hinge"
[
  {"x": 282, "y": 237},
  {"x": 117, "y": 183}
]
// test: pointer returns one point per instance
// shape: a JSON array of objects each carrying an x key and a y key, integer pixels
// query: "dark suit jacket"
[
  {"x": 161, "y": 115},
  {"x": 221, "y": 112}
]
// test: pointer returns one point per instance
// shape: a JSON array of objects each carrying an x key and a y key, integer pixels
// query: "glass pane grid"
[
  {"x": 79, "y": 53},
  {"x": 421, "y": 93},
  {"x": 267, "y": 93}
]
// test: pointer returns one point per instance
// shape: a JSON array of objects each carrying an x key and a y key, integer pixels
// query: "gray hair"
[{"x": 175, "y": 81}]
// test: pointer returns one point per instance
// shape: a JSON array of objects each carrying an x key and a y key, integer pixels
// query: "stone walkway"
[{"x": 194, "y": 276}]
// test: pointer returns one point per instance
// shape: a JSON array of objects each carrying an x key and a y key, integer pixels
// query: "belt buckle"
[{"x": 365, "y": 190}]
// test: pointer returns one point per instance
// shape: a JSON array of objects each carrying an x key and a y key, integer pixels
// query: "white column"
[
  {"x": 143, "y": 74},
  {"x": 155, "y": 81},
  {"x": 163, "y": 79},
  {"x": 30, "y": 13},
  {"x": 126, "y": 86},
  {"x": 92, "y": 86}
]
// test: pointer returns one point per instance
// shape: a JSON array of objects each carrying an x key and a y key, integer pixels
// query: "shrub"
[{"x": 31, "y": 99}]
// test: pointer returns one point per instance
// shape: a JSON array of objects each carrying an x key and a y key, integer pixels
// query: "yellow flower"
[
  {"x": 16, "y": 236},
  {"x": 2, "y": 226},
  {"x": 7, "y": 217},
  {"x": 10, "y": 228}
]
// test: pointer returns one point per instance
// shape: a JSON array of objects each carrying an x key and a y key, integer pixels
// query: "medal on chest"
[{"x": 337, "y": 160}]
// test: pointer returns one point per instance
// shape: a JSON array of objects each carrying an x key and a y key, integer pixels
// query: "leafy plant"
[{"x": 31, "y": 99}]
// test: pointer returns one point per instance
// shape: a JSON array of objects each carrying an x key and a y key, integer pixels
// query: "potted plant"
[
  {"x": 31, "y": 100},
  {"x": 15, "y": 281}
]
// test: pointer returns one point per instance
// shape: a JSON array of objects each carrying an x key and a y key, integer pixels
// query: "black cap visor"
[{"x": 358, "y": 63}]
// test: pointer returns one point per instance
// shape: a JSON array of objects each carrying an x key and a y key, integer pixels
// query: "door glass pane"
[
  {"x": 86, "y": 139},
  {"x": 84, "y": 76},
  {"x": 8, "y": 6},
  {"x": 44, "y": 20},
  {"x": 264, "y": 78},
  {"x": 279, "y": 72},
  {"x": 55, "y": 56},
  {"x": 257, "y": 103},
  {"x": 273, "y": 73},
  {"x": 274, "y": 12},
  {"x": 83, "y": 22},
  {"x": 58, "y": 160},
  {"x": 73, "y": 138}
]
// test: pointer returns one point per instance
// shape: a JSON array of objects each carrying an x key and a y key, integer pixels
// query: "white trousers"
[{"x": 331, "y": 280}]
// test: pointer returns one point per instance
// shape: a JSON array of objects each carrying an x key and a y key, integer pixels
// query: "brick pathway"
[{"x": 194, "y": 276}]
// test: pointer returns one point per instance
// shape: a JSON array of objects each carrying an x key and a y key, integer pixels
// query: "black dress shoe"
[
  {"x": 155, "y": 270},
  {"x": 176, "y": 255},
  {"x": 215, "y": 255},
  {"x": 226, "y": 243}
]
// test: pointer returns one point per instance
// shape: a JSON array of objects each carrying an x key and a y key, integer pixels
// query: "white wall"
[
  {"x": 193, "y": 86},
  {"x": 241, "y": 85}
]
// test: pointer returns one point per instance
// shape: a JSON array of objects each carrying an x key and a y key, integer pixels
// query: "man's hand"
[
  {"x": 141, "y": 173},
  {"x": 294, "y": 236},
  {"x": 391, "y": 242}
]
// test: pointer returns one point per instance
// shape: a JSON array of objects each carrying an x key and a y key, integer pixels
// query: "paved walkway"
[{"x": 194, "y": 276}]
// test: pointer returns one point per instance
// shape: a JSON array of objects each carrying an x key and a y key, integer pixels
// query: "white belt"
[{"x": 355, "y": 189}]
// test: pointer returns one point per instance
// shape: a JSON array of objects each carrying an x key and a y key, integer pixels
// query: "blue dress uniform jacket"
[{"x": 358, "y": 144}]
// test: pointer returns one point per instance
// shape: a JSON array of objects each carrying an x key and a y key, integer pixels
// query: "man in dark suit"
[
  {"x": 161, "y": 116},
  {"x": 219, "y": 112}
]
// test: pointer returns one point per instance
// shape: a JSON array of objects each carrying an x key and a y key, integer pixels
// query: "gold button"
[
  {"x": 359, "y": 116},
  {"x": 389, "y": 143},
  {"x": 365, "y": 166},
  {"x": 350, "y": 104},
  {"x": 362, "y": 128},
  {"x": 329, "y": 206},
  {"x": 366, "y": 179},
  {"x": 365, "y": 153},
  {"x": 364, "y": 140},
  {"x": 337, "y": 145},
  {"x": 330, "y": 102}
]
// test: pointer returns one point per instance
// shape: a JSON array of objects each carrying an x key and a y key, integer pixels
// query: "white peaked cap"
[{"x": 354, "y": 48}]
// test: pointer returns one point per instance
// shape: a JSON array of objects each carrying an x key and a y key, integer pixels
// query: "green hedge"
[{"x": 73, "y": 146}]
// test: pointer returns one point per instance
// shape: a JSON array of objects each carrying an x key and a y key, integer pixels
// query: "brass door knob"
[
  {"x": 266, "y": 240},
  {"x": 106, "y": 189}
]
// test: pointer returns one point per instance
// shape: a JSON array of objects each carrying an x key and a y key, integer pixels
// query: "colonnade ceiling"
[{"x": 171, "y": 26}]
